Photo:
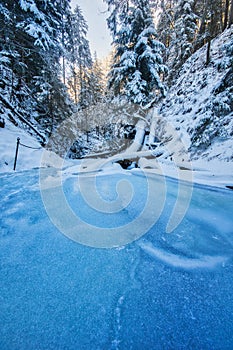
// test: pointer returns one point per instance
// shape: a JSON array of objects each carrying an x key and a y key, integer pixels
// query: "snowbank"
[
  {"x": 217, "y": 172},
  {"x": 28, "y": 158}
]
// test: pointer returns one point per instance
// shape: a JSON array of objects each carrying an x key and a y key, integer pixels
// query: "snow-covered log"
[
  {"x": 139, "y": 137},
  {"x": 153, "y": 124}
]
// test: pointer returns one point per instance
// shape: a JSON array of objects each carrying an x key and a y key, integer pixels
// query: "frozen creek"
[{"x": 162, "y": 291}]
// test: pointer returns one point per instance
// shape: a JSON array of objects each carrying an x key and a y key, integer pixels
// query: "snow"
[
  {"x": 27, "y": 158},
  {"x": 193, "y": 100},
  {"x": 128, "y": 59},
  {"x": 215, "y": 173},
  {"x": 31, "y": 6},
  {"x": 138, "y": 141}
]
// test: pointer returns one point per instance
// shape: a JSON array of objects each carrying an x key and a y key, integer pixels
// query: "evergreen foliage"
[
  {"x": 44, "y": 46},
  {"x": 91, "y": 89},
  {"x": 184, "y": 26},
  {"x": 183, "y": 38},
  {"x": 34, "y": 36},
  {"x": 166, "y": 22},
  {"x": 79, "y": 56},
  {"x": 139, "y": 67},
  {"x": 97, "y": 80}
]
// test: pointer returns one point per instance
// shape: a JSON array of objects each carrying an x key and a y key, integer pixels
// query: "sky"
[{"x": 94, "y": 12}]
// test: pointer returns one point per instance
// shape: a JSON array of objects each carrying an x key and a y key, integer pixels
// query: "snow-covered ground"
[
  {"x": 199, "y": 105},
  {"x": 214, "y": 173},
  {"x": 28, "y": 158}
]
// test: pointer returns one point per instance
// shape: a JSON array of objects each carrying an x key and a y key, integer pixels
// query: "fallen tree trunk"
[
  {"x": 139, "y": 137},
  {"x": 153, "y": 125}
]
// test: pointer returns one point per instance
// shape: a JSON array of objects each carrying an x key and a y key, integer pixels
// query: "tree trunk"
[
  {"x": 75, "y": 86},
  {"x": 208, "y": 51},
  {"x": 201, "y": 33},
  {"x": 63, "y": 56},
  {"x": 139, "y": 137},
  {"x": 63, "y": 70},
  {"x": 153, "y": 124},
  {"x": 226, "y": 14},
  {"x": 12, "y": 82},
  {"x": 231, "y": 15}
]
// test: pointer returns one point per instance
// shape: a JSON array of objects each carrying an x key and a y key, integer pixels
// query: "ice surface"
[{"x": 164, "y": 291}]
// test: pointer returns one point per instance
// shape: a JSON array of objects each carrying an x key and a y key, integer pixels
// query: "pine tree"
[
  {"x": 165, "y": 24},
  {"x": 86, "y": 97},
  {"x": 33, "y": 47},
  {"x": 231, "y": 15},
  {"x": 96, "y": 80},
  {"x": 139, "y": 65},
  {"x": 78, "y": 54},
  {"x": 45, "y": 23},
  {"x": 78, "y": 46},
  {"x": 183, "y": 38},
  {"x": 211, "y": 14},
  {"x": 186, "y": 25},
  {"x": 91, "y": 87}
]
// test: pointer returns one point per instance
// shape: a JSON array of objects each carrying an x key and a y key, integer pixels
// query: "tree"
[
  {"x": 31, "y": 49},
  {"x": 86, "y": 97},
  {"x": 226, "y": 13},
  {"x": 43, "y": 22},
  {"x": 231, "y": 15},
  {"x": 184, "y": 26},
  {"x": 165, "y": 24},
  {"x": 139, "y": 67},
  {"x": 78, "y": 50},
  {"x": 183, "y": 37},
  {"x": 211, "y": 14},
  {"x": 96, "y": 80}
]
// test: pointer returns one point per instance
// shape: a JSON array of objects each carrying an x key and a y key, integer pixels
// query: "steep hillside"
[{"x": 200, "y": 104}]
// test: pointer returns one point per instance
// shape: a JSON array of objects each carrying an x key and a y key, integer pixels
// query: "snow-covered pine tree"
[
  {"x": 86, "y": 97},
  {"x": 91, "y": 87},
  {"x": 183, "y": 38},
  {"x": 33, "y": 45},
  {"x": 210, "y": 14},
  {"x": 149, "y": 62},
  {"x": 96, "y": 80},
  {"x": 118, "y": 23},
  {"x": 79, "y": 55},
  {"x": 139, "y": 68},
  {"x": 166, "y": 21},
  {"x": 184, "y": 26},
  {"x": 47, "y": 27},
  {"x": 9, "y": 56}
]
